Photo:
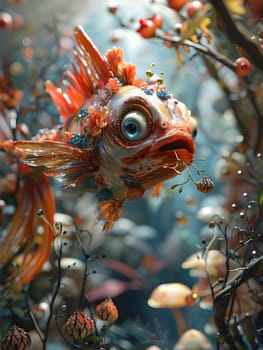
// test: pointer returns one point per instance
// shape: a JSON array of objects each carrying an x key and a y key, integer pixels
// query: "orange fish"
[{"x": 120, "y": 136}]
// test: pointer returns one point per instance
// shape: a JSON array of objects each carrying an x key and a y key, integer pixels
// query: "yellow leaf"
[
  {"x": 194, "y": 23},
  {"x": 236, "y": 6},
  {"x": 179, "y": 57}
]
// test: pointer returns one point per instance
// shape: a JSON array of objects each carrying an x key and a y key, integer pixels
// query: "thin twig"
[
  {"x": 54, "y": 296},
  {"x": 33, "y": 319},
  {"x": 201, "y": 48}
]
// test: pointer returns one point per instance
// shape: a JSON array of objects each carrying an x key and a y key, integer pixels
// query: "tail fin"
[{"x": 28, "y": 237}]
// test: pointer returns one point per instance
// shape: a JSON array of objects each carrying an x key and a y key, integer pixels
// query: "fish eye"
[{"x": 134, "y": 126}]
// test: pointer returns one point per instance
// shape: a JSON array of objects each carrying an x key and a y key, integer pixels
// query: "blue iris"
[
  {"x": 131, "y": 128},
  {"x": 134, "y": 125}
]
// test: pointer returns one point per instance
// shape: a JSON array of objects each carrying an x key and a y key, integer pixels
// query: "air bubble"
[
  {"x": 40, "y": 212},
  {"x": 64, "y": 307}
]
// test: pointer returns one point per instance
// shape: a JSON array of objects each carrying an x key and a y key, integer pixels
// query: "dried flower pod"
[
  {"x": 107, "y": 311},
  {"x": 79, "y": 326},
  {"x": 205, "y": 185},
  {"x": 16, "y": 339}
]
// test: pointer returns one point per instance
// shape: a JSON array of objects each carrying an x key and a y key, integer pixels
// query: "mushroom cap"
[
  {"x": 170, "y": 295},
  {"x": 213, "y": 263},
  {"x": 193, "y": 339}
]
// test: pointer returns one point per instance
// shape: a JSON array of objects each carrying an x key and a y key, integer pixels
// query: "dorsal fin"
[{"x": 91, "y": 72}]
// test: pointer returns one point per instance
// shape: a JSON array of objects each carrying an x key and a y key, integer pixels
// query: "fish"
[{"x": 120, "y": 136}]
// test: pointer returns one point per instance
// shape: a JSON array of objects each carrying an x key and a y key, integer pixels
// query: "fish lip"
[
  {"x": 183, "y": 145},
  {"x": 176, "y": 145}
]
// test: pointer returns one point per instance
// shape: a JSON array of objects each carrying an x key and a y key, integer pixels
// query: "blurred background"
[{"x": 154, "y": 237}]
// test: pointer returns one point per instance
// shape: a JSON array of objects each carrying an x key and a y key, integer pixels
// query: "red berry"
[
  {"x": 176, "y": 4},
  {"x": 243, "y": 66},
  {"x": 6, "y": 20},
  {"x": 193, "y": 7},
  {"x": 178, "y": 28},
  {"x": 157, "y": 20},
  {"x": 147, "y": 29}
]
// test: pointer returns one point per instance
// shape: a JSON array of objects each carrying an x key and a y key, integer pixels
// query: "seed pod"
[
  {"x": 79, "y": 326},
  {"x": 107, "y": 311},
  {"x": 16, "y": 339},
  {"x": 205, "y": 185}
]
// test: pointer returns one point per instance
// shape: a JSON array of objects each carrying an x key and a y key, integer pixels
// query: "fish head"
[{"x": 149, "y": 135}]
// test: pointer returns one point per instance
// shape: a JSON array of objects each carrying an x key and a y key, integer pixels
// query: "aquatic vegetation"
[
  {"x": 16, "y": 338},
  {"x": 114, "y": 141}
]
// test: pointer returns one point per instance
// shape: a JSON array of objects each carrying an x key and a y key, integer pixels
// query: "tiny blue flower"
[
  {"x": 83, "y": 113},
  {"x": 78, "y": 140},
  {"x": 163, "y": 94},
  {"x": 148, "y": 91}
]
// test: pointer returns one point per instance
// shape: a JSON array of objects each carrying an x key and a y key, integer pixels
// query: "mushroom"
[
  {"x": 172, "y": 296},
  {"x": 193, "y": 339},
  {"x": 213, "y": 264}
]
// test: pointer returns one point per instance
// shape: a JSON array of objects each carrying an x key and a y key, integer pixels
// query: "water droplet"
[
  {"x": 211, "y": 224},
  {"x": 64, "y": 307},
  {"x": 40, "y": 212}
]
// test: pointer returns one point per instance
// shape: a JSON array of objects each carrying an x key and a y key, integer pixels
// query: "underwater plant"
[{"x": 97, "y": 128}]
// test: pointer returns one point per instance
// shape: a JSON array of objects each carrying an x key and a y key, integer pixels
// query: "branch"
[
  {"x": 222, "y": 299},
  {"x": 201, "y": 48},
  {"x": 237, "y": 34}
]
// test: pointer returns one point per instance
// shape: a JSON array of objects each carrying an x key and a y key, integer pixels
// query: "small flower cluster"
[
  {"x": 79, "y": 140},
  {"x": 83, "y": 113},
  {"x": 79, "y": 326},
  {"x": 205, "y": 185},
  {"x": 16, "y": 339},
  {"x": 96, "y": 121}
]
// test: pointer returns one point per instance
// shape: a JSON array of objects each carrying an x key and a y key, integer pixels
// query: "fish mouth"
[
  {"x": 180, "y": 144},
  {"x": 180, "y": 147}
]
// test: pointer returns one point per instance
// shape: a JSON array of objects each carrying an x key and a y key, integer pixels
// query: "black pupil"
[{"x": 131, "y": 128}]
